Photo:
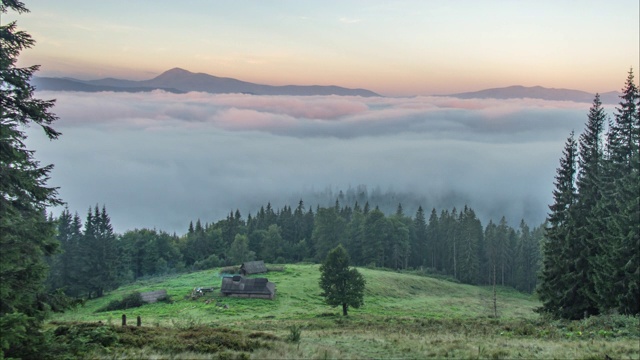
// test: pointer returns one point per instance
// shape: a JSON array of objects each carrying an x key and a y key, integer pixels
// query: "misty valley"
[
  {"x": 191, "y": 216},
  {"x": 507, "y": 273}
]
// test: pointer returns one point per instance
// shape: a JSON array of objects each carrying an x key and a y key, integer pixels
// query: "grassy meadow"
[{"x": 404, "y": 316}]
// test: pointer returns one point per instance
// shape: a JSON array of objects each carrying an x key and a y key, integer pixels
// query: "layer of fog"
[{"x": 160, "y": 160}]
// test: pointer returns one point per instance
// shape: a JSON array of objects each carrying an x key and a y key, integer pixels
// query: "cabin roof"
[
  {"x": 253, "y": 267},
  {"x": 241, "y": 285}
]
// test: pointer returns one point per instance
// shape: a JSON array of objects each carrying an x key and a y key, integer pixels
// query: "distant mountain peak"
[
  {"x": 177, "y": 70},
  {"x": 537, "y": 92},
  {"x": 175, "y": 73},
  {"x": 181, "y": 80}
]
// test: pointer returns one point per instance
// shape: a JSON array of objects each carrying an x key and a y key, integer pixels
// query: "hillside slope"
[
  {"x": 404, "y": 316},
  {"x": 298, "y": 297}
]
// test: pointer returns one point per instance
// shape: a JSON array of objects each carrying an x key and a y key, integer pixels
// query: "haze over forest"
[
  {"x": 163, "y": 158},
  {"x": 159, "y": 159}
]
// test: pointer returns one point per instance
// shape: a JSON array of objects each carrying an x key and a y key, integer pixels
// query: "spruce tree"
[
  {"x": 329, "y": 230},
  {"x": 503, "y": 251},
  {"x": 355, "y": 236},
  {"x": 527, "y": 259},
  {"x": 298, "y": 222},
  {"x": 470, "y": 235},
  {"x": 490, "y": 255},
  {"x": 59, "y": 264},
  {"x": 617, "y": 265},
  {"x": 398, "y": 242},
  {"x": 26, "y": 235},
  {"x": 73, "y": 286},
  {"x": 591, "y": 261},
  {"x": 588, "y": 230},
  {"x": 624, "y": 132},
  {"x": 309, "y": 224},
  {"x": 557, "y": 290},
  {"x": 451, "y": 238},
  {"x": 376, "y": 230},
  {"x": 626, "y": 253},
  {"x": 99, "y": 253},
  {"x": 419, "y": 250},
  {"x": 65, "y": 266},
  {"x": 433, "y": 239}
]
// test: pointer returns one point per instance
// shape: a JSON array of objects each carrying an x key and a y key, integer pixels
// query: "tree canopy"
[
  {"x": 341, "y": 286},
  {"x": 26, "y": 235},
  {"x": 591, "y": 262}
]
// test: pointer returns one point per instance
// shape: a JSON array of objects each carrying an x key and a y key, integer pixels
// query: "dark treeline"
[
  {"x": 451, "y": 243},
  {"x": 591, "y": 256}
]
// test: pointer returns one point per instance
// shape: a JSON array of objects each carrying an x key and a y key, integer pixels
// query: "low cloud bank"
[{"x": 160, "y": 159}]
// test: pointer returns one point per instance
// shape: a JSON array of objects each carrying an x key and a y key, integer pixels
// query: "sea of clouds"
[{"x": 160, "y": 160}]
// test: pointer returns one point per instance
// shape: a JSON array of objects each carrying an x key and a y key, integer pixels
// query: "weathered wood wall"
[
  {"x": 153, "y": 296},
  {"x": 254, "y": 296}
]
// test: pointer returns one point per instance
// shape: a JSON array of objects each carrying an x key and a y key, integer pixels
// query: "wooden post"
[
  {"x": 139, "y": 321},
  {"x": 124, "y": 320}
]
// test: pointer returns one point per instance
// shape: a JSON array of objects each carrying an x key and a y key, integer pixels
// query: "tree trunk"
[{"x": 344, "y": 309}]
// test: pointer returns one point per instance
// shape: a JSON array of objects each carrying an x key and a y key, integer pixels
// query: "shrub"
[
  {"x": 295, "y": 331},
  {"x": 209, "y": 263},
  {"x": 262, "y": 335},
  {"x": 186, "y": 323},
  {"x": 524, "y": 329},
  {"x": 272, "y": 268},
  {"x": 132, "y": 300},
  {"x": 79, "y": 339},
  {"x": 230, "y": 270},
  {"x": 20, "y": 336}
]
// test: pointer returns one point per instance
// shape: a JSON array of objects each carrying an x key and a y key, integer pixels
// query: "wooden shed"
[
  {"x": 239, "y": 286},
  {"x": 253, "y": 267},
  {"x": 153, "y": 296}
]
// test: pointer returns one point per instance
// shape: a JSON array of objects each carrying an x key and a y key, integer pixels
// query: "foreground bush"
[{"x": 86, "y": 340}]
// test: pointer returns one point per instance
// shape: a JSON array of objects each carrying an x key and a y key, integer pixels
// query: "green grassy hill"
[
  {"x": 298, "y": 297},
  {"x": 404, "y": 315}
]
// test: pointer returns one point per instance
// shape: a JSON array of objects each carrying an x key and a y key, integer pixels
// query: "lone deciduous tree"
[{"x": 341, "y": 285}]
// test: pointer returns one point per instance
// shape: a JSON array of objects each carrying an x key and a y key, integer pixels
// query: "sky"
[{"x": 395, "y": 48}]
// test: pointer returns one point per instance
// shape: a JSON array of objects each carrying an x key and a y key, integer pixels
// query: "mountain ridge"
[
  {"x": 182, "y": 81},
  {"x": 179, "y": 80},
  {"x": 538, "y": 92}
]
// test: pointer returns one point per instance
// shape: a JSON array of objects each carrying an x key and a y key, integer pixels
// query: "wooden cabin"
[
  {"x": 239, "y": 286},
  {"x": 253, "y": 267}
]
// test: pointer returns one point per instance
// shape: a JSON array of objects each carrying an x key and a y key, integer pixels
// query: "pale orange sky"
[{"x": 391, "y": 47}]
